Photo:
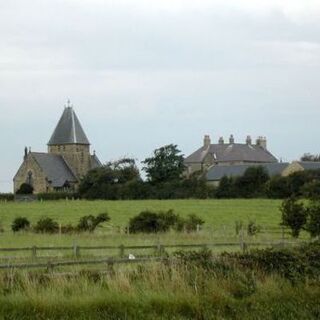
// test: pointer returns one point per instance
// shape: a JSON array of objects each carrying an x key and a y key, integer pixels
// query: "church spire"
[{"x": 69, "y": 129}]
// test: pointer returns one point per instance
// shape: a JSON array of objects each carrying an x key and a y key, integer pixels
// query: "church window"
[{"x": 30, "y": 178}]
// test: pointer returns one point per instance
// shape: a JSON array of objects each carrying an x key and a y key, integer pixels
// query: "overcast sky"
[{"x": 142, "y": 74}]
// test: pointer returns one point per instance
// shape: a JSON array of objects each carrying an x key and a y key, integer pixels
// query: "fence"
[{"x": 159, "y": 250}]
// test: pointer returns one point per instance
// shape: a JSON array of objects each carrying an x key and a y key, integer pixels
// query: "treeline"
[
  {"x": 256, "y": 183},
  {"x": 164, "y": 170},
  {"x": 166, "y": 180}
]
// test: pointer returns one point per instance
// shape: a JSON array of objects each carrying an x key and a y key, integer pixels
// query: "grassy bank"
[{"x": 199, "y": 289}]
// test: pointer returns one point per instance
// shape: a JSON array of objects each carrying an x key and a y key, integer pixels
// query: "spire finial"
[{"x": 69, "y": 103}]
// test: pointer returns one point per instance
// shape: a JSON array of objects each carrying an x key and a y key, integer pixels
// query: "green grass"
[
  {"x": 155, "y": 292},
  {"x": 216, "y": 213},
  {"x": 220, "y": 217}
]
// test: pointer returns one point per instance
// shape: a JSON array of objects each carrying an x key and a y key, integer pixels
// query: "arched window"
[{"x": 30, "y": 178}]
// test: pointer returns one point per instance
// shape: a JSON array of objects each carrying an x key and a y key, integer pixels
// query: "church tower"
[{"x": 70, "y": 141}]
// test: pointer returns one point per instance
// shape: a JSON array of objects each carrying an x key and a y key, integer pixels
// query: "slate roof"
[
  {"x": 95, "y": 162},
  {"x": 55, "y": 168},
  {"x": 215, "y": 173},
  {"x": 232, "y": 152},
  {"x": 309, "y": 165},
  {"x": 68, "y": 130}
]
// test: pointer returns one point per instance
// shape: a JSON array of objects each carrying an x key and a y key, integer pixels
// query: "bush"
[
  {"x": 151, "y": 222},
  {"x": 57, "y": 196},
  {"x": 46, "y": 225},
  {"x": 253, "y": 228},
  {"x": 25, "y": 188},
  {"x": 189, "y": 224},
  {"x": 313, "y": 224},
  {"x": 294, "y": 216},
  {"x": 6, "y": 196},
  {"x": 19, "y": 224},
  {"x": 90, "y": 222}
]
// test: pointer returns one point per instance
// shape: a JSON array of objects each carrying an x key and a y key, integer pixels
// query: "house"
[
  {"x": 215, "y": 173},
  {"x": 67, "y": 160},
  {"x": 228, "y": 154},
  {"x": 297, "y": 166}
]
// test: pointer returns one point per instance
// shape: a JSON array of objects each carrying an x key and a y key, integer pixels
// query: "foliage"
[
  {"x": 90, "y": 222},
  {"x": 226, "y": 188},
  {"x": 278, "y": 188},
  {"x": 152, "y": 222},
  {"x": 6, "y": 196},
  {"x": 46, "y": 225},
  {"x": 294, "y": 215},
  {"x": 189, "y": 224},
  {"x": 311, "y": 190},
  {"x": 252, "y": 183},
  {"x": 106, "y": 182},
  {"x": 310, "y": 157},
  {"x": 166, "y": 164},
  {"x": 58, "y": 196},
  {"x": 253, "y": 229},
  {"x": 313, "y": 223},
  {"x": 20, "y": 223},
  {"x": 25, "y": 188}
]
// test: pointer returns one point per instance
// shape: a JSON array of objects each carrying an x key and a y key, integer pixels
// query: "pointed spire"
[{"x": 69, "y": 129}]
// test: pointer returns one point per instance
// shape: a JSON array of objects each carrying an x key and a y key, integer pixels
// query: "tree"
[
  {"x": 278, "y": 188},
  {"x": 294, "y": 215},
  {"x": 252, "y": 183},
  {"x": 225, "y": 188},
  {"x": 313, "y": 224},
  {"x": 25, "y": 188},
  {"x": 107, "y": 181},
  {"x": 166, "y": 164},
  {"x": 310, "y": 157}
]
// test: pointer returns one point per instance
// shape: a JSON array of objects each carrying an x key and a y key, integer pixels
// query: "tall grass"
[{"x": 174, "y": 290}]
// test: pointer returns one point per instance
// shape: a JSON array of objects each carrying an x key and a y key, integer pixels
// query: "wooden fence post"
[
  {"x": 76, "y": 250},
  {"x": 121, "y": 253},
  {"x": 34, "y": 252},
  {"x": 282, "y": 236}
]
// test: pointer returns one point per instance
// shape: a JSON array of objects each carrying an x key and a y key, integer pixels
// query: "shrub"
[
  {"x": 46, "y": 225},
  {"x": 190, "y": 223},
  {"x": 151, "y": 222},
  {"x": 19, "y": 224},
  {"x": 6, "y": 196},
  {"x": 25, "y": 188},
  {"x": 294, "y": 216},
  {"x": 313, "y": 224},
  {"x": 57, "y": 196},
  {"x": 253, "y": 228},
  {"x": 90, "y": 222}
]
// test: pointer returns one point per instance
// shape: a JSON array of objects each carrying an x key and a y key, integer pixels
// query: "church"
[{"x": 68, "y": 159}]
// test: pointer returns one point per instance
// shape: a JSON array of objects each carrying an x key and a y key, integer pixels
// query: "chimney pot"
[
  {"x": 231, "y": 139},
  {"x": 206, "y": 141},
  {"x": 221, "y": 140}
]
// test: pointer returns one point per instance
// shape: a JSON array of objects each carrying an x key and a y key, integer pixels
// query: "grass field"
[
  {"x": 151, "y": 291},
  {"x": 220, "y": 217}
]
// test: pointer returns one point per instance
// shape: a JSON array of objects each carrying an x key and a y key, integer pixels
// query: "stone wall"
[
  {"x": 39, "y": 182},
  {"x": 77, "y": 156}
]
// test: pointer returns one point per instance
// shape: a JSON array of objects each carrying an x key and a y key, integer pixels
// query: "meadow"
[
  {"x": 220, "y": 217},
  {"x": 152, "y": 290}
]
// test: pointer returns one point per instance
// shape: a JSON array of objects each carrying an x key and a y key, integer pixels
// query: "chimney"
[
  {"x": 206, "y": 141},
  {"x": 221, "y": 141},
  {"x": 248, "y": 140},
  {"x": 262, "y": 142},
  {"x": 25, "y": 153},
  {"x": 231, "y": 139}
]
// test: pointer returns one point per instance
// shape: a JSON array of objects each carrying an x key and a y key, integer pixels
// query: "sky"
[{"x": 141, "y": 74}]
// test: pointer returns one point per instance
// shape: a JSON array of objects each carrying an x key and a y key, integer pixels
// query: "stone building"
[
  {"x": 228, "y": 153},
  {"x": 67, "y": 160}
]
